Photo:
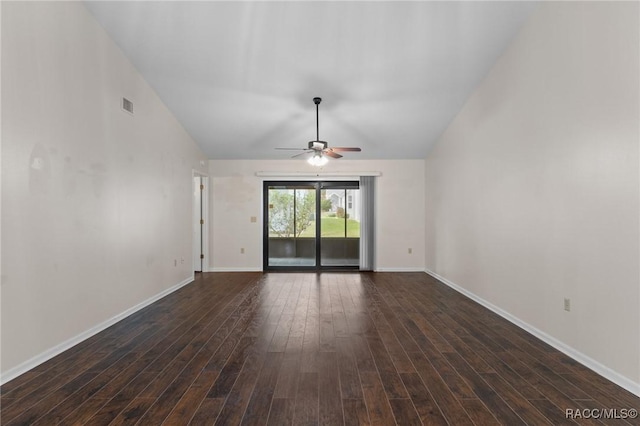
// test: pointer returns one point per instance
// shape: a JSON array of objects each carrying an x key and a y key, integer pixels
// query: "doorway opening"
[{"x": 311, "y": 225}]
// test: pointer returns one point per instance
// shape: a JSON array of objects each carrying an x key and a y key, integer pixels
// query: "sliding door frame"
[{"x": 319, "y": 186}]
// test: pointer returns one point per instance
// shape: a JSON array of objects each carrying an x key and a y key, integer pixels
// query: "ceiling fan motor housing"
[{"x": 317, "y": 145}]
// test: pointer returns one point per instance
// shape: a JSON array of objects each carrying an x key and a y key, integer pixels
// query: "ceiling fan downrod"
[{"x": 317, "y": 102}]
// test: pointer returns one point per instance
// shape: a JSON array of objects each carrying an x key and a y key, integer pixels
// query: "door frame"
[
  {"x": 319, "y": 185},
  {"x": 204, "y": 202}
]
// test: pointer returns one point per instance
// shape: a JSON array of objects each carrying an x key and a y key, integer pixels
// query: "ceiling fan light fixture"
[{"x": 318, "y": 160}]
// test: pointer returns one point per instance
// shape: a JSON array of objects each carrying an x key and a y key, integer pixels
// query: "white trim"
[
  {"x": 1, "y": 174},
  {"x": 316, "y": 174},
  {"x": 205, "y": 215},
  {"x": 585, "y": 360},
  {"x": 58, "y": 349},
  {"x": 235, "y": 269},
  {"x": 385, "y": 269}
]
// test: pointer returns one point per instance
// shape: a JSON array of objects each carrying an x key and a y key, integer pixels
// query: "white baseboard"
[
  {"x": 58, "y": 349},
  {"x": 238, "y": 269},
  {"x": 588, "y": 362},
  {"x": 254, "y": 269},
  {"x": 385, "y": 269}
]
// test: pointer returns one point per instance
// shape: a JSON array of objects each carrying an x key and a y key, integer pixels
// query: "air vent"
[{"x": 127, "y": 105}]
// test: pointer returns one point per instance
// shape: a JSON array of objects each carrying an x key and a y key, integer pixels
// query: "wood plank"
[
  {"x": 229, "y": 373},
  {"x": 362, "y": 354},
  {"x": 35, "y": 412},
  {"x": 81, "y": 405},
  {"x": 378, "y": 405},
  {"x": 555, "y": 396},
  {"x": 489, "y": 397},
  {"x": 207, "y": 412},
  {"x": 426, "y": 406},
  {"x": 525, "y": 388},
  {"x": 448, "y": 403},
  {"x": 479, "y": 412},
  {"x": 306, "y": 404},
  {"x": 287, "y": 384},
  {"x": 551, "y": 411},
  {"x": 260, "y": 403},
  {"x": 525, "y": 410},
  {"x": 281, "y": 412},
  {"x": 355, "y": 412},
  {"x": 388, "y": 374},
  {"x": 133, "y": 412},
  {"x": 404, "y": 412},
  {"x": 329, "y": 400},
  {"x": 350, "y": 386},
  {"x": 186, "y": 407},
  {"x": 396, "y": 352},
  {"x": 451, "y": 377},
  {"x": 119, "y": 402},
  {"x": 239, "y": 396},
  {"x": 327, "y": 338},
  {"x": 83, "y": 414}
]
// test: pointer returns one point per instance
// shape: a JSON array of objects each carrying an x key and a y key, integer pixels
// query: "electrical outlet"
[
  {"x": 242, "y": 250},
  {"x": 409, "y": 250},
  {"x": 567, "y": 304},
  {"x": 254, "y": 219}
]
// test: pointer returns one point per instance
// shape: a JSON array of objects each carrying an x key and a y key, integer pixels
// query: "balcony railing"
[{"x": 338, "y": 251}]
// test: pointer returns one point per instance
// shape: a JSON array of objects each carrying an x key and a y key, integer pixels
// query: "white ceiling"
[{"x": 241, "y": 76}]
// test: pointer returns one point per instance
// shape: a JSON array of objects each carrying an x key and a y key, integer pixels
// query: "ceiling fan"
[{"x": 320, "y": 149}]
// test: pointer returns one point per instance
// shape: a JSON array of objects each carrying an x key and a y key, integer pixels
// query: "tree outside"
[
  {"x": 305, "y": 210},
  {"x": 283, "y": 223}
]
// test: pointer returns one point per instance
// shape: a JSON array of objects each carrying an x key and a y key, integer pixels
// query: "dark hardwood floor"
[{"x": 304, "y": 348}]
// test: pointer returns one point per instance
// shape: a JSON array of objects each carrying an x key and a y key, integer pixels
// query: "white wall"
[
  {"x": 532, "y": 192},
  {"x": 1, "y": 275},
  {"x": 96, "y": 203},
  {"x": 236, "y": 195}
]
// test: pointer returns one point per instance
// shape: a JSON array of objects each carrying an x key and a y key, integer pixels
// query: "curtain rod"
[{"x": 316, "y": 174}]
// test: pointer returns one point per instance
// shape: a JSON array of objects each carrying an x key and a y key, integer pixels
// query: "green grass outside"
[{"x": 334, "y": 227}]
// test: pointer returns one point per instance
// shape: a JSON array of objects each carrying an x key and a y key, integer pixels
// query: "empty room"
[{"x": 320, "y": 212}]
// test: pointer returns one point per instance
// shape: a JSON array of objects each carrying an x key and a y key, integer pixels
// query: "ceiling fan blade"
[
  {"x": 345, "y": 149},
  {"x": 306, "y": 151},
  {"x": 330, "y": 153},
  {"x": 293, "y": 149}
]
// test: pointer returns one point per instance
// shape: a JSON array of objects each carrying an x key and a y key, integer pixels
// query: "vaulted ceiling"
[{"x": 241, "y": 76}]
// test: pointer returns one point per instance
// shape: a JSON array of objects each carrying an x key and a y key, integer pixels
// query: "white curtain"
[{"x": 367, "y": 186}]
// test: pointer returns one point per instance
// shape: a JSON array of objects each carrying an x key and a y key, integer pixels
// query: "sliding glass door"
[
  {"x": 290, "y": 222},
  {"x": 340, "y": 226},
  {"x": 311, "y": 225}
]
